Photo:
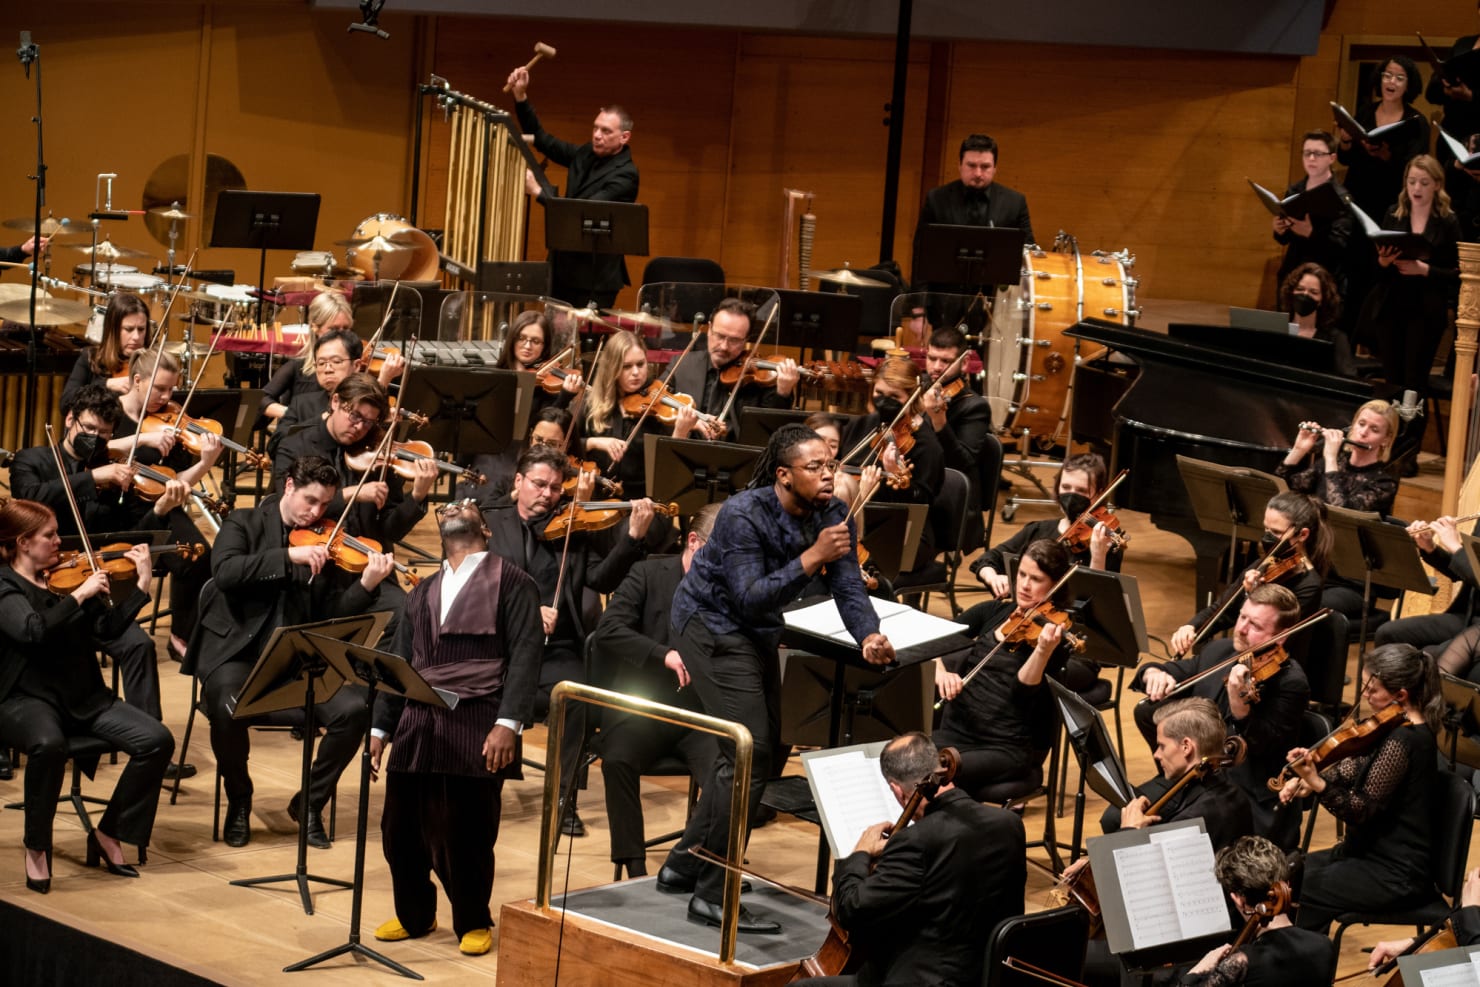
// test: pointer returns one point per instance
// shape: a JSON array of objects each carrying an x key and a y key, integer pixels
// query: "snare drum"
[
  {"x": 1031, "y": 366},
  {"x": 143, "y": 284},
  {"x": 83, "y": 273}
]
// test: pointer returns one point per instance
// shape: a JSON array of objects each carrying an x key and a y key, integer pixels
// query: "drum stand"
[{"x": 1023, "y": 466}]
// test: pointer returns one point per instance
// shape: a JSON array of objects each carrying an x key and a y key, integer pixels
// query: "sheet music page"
[
  {"x": 1146, "y": 888},
  {"x": 1195, "y": 888},
  {"x": 853, "y": 795},
  {"x": 1458, "y": 975},
  {"x": 902, "y": 624}
]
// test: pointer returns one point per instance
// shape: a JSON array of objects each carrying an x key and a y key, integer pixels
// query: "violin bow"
[
  {"x": 133, "y": 448},
  {"x": 390, "y": 310},
  {"x": 724, "y": 414},
  {"x": 349, "y": 502},
  {"x": 385, "y": 463},
  {"x": 1277, "y": 639},
  {"x": 564, "y": 554},
  {"x": 1026, "y": 616},
  {"x": 579, "y": 403},
  {"x": 955, "y": 365},
  {"x": 1038, "y": 973},
  {"x": 1208, "y": 624},
  {"x": 1097, "y": 502},
  {"x": 672, "y": 369},
  {"x": 878, "y": 449},
  {"x": 87, "y": 549}
]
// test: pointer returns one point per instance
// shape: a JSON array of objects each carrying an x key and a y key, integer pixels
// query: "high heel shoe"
[
  {"x": 95, "y": 856},
  {"x": 42, "y": 885}
]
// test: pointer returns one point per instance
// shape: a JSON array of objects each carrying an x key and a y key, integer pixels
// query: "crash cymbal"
[
  {"x": 171, "y": 213},
  {"x": 49, "y": 312},
  {"x": 27, "y": 224},
  {"x": 106, "y": 250},
  {"x": 376, "y": 244},
  {"x": 11, "y": 291},
  {"x": 845, "y": 275},
  {"x": 629, "y": 319},
  {"x": 197, "y": 350}
]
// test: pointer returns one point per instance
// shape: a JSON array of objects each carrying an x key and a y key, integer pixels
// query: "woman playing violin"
[
  {"x": 1385, "y": 798},
  {"x": 527, "y": 347},
  {"x": 1002, "y": 720},
  {"x": 1276, "y": 954},
  {"x": 51, "y": 688},
  {"x": 125, "y": 332}
]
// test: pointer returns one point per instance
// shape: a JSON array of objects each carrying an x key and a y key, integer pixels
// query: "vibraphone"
[
  {"x": 457, "y": 353},
  {"x": 56, "y": 354}
]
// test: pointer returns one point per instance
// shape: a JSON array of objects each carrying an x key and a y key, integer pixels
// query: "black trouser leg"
[
  {"x": 230, "y": 742},
  {"x": 36, "y": 727},
  {"x": 343, "y": 721},
  {"x": 149, "y": 746},
  {"x": 138, "y": 667}
]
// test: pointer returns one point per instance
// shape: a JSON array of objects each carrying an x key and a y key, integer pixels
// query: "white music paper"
[
  {"x": 852, "y": 795},
  {"x": 902, "y": 624},
  {"x": 1169, "y": 888},
  {"x": 1458, "y": 975}
]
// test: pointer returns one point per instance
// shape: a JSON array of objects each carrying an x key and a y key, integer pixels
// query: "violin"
[
  {"x": 595, "y": 515},
  {"x": 72, "y": 569},
  {"x": 1028, "y": 626},
  {"x": 1263, "y": 660},
  {"x": 552, "y": 379},
  {"x": 191, "y": 430},
  {"x": 401, "y": 458},
  {"x": 1270, "y": 568},
  {"x": 149, "y": 483},
  {"x": 345, "y": 550},
  {"x": 867, "y": 571},
  {"x": 606, "y": 485},
  {"x": 1077, "y": 535},
  {"x": 761, "y": 371},
  {"x": 664, "y": 405},
  {"x": 374, "y": 362},
  {"x": 1344, "y": 742},
  {"x": 949, "y": 391}
]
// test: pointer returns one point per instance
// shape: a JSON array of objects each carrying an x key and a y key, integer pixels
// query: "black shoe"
[
  {"x": 673, "y": 881},
  {"x": 571, "y": 825},
  {"x": 43, "y": 885},
  {"x": 96, "y": 856},
  {"x": 710, "y": 912},
  {"x": 175, "y": 770},
  {"x": 317, "y": 837},
  {"x": 238, "y": 828},
  {"x": 6, "y": 771}
]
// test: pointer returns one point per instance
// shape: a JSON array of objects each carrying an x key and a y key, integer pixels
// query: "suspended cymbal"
[
  {"x": 171, "y": 214},
  {"x": 12, "y": 290},
  {"x": 27, "y": 224},
  {"x": 49, "y": 312},
  {"x": 197, "y": 350},
  {"x": 376, "y": 244},
  {"x": 845, "y": 275},
  {"x": 106, "y": 250},
  {"x": 628, "y": 320}
]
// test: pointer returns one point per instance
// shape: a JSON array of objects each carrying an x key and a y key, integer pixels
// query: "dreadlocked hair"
[{"x": 779, "y": 450}]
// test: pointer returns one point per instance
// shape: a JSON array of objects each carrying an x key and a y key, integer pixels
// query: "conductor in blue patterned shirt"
[{"x": 768, "y": 544}]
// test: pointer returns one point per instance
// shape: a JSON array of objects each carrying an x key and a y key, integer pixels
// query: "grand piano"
[{"x": 1230, "y": 397}]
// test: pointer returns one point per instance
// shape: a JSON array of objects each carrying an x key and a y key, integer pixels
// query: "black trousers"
[
  {"x": 1335, "y": 883},
  {"x": 342, "y": 719},
  {"x": 736, "y": 680},
  {"x": 982, "y": 766},
  {"x": 630, "y": 745},
  {"x": 187, "y": 577},
  {"x": 444, "y": 825},
  {"x": 1428, "y": 631},
  {"x": 138, "y": 667},
  {"x": 561, "y": 665},
  {"x": 41, "y": 731}
]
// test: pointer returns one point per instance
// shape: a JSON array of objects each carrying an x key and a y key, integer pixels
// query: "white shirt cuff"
[{"x": 514, "y": 725}]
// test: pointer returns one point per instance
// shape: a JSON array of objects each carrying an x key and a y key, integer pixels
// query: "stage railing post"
[{"x": 1466, "y": 325}]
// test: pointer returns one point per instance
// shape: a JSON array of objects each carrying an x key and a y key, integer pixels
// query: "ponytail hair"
[
  {"x": 1402, "y": 666},
  {"x": 1304, "y": 511}
]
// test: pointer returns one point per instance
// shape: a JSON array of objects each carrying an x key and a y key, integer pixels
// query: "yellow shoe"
[
  {"x": 394, "y": 931},
  {"x": 477, "y": 942}
]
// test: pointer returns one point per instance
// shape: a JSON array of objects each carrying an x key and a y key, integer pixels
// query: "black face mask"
[
  {"x": 1269, "y": 540},
  {"x": 1073, "y": 505},
  {"x": 84, "y": 446},
  {"x": 888, "y": 409},
  {"x": 1304, "y": 304}
]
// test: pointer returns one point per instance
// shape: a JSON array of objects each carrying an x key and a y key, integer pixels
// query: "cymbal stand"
[
  {"x": 31, "y": 53},
  {"x": 170, "y": 251}
]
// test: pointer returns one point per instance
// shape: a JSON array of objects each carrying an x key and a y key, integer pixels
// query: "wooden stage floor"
[{"x": 185, "y": 912}]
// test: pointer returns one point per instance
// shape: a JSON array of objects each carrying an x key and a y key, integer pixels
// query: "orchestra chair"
[
  {"x": 85, "y": 751},
  {"x": 940, "y": 574},
  {"x": 1454, "y": 820},
  {"x": 1015, "y": 794},
  {"x": 1325, "y": 664},
  {"x": 1313, "y": 729},
  {"x": 1054, "y": 940}
]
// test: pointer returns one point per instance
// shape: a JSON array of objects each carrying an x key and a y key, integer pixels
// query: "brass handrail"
[{"x": 739, "y": 792}]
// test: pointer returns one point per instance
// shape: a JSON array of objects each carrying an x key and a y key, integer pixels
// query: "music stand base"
[
  {"x": 301, "y": 879},
  {"x": 356, "y": 948}
]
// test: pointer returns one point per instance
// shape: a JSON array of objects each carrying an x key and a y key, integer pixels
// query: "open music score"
[
  {"x": 905, "y": 626},
  {"x": 1443, "y": 968},
  {"x": 1169, "y": 889},
  {"x": 850, "y": 792}
]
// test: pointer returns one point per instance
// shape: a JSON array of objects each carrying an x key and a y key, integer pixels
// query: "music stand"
[
  {"x": 818, "y": 321},
  {"x": 1461, "y": 697},
  {"x": 377, "y": 671},
  {"x": 978, "y": 256},
  {"x": 283, "y": 679},
  {"x": 264, "y": 221},
  {"x": 1107, "y": 612},
  {"x": 1099, "y": 764},
  {"x": 893, "y": 532},
  {"x": 758, "y": 424},
  {"x": 1361, "y": 541},
  {"x": 693, "y": 472},
  {"x": 519, "y": 277},
  {"x": 595, "y": 227},
  {"x": 1228, "y": 500},
  {"x": 496, "y": 403}
]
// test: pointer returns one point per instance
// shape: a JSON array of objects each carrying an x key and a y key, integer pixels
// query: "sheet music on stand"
[
  {"x": 850, "y": 792},
  {"x": 1157, "y": 887},
  {"x": 1458, "y": 967},
  {"x": 916, "y": 635}
]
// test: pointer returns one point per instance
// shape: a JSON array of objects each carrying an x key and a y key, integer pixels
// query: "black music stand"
[
  {"x": 377, "y": 671},
  {"x": 495, "y": 403},
  {"x": 284, "y": 678},
  {"x": 1384, "y": 553},
  {"x": 694, "y": 472},
  {"x": 893, "y": 532},
  {"x": 978, "y": 256},
  {"x": 518, "y": 277},
  {"x": 1099, "y": 764},
  {"x": 1107, "y": 613},
  {"x": 595, "y": 227},
  {"x": 758, "y": 424},
  {"x": 264, "y": 221},
  {"x": 1461, "y": 698},
  {"x": 1228, "y": 500},
  {"x": 819, "y": 321}
]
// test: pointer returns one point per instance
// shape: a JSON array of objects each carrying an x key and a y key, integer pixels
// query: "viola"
[
  {"x": 1027, "y": 627},
  {"x": 1346, "y": 741},
  {"x": 552, "y": 379},
  {"x": 1263, "y": 665},
  {"x": 72, "y": 569},
  {"x": 149, "y": 483},
  {"x": 401, "y": 458},
  {"x": 374, "y": 363},
  {"x": 345, "y": 550},
  {"x": 191, "y": 430},
  {"x": 595, "y": 515},
  {"x": 949, "y": 391},
  {"x": 664, "y": 405},
  {"x": 1077, "y": 535}
]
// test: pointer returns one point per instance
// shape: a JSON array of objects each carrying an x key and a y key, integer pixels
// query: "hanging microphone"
[{"x": 27, "y": 52}]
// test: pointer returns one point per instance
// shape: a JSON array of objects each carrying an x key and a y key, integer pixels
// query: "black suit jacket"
[
  {"x": 250, "y": 574},
  {"x": 950, "y": 205},
  {"x": 613, "y": 179},
  {"x": 923, "y": 915},
  {"x": 690, "y": 379},
  {"x": 633, "y": 636},
  {"x": 387, "y": 525},
  {"x": 33, "y": 476},
  {"x": 1224, "y": 808}
]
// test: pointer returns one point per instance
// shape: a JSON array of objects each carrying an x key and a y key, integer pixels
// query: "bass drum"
[
  {"x": 417, "y": 264},
  {"x": 1031, "y": 371}
]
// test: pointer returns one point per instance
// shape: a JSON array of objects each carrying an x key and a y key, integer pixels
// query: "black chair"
[
  {"x": 1325, "y": 663},
  {"x": 989, "y": 480},
  {"x": 85, "y": 752},
  {"x": 1313, "y": 729},
  {"x": 684, "y": 270},
  {"x": 1454, "y": 821},
  {"x": 940, "y": 574},
  {"x": 1015, "y": 794},
  {"x": 1053, "y": 940}
]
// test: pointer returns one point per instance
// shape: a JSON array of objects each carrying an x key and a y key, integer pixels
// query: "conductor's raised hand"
[{"x": 833, "y": 542}]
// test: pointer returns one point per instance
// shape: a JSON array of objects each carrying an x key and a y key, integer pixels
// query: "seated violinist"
[
  {"x": 1255, "y": 874},
  {"x": 961, "y": 417},
  {"x": 335, "y": 354},
  {"x": 328, "y": 312},
  {"x": 702, "y": 373},
  {"x": 549, "y": 428},
  {"x": 1264, "y": 711},
  {"x": 915, "y": 901},
  {"x": 1465, "y": 923},
  {"x": 261, "y": 581},
  {"x": 591, "y": 562}
]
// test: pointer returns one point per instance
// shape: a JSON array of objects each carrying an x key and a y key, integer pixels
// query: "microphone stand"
[{"x": 29, "y": 52}]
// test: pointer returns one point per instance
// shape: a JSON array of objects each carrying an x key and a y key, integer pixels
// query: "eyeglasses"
[
  {"x": 529, "y": 341},
  {"x": 831, "y": 466},
  {"x": 358, "y": 420},
  {"x": 332, "y": 361},
  {"x": 447, "y": 510},
  {"x": 729, "y": 340},
  {"x": 1315, "y": 154},
  {"x": 1394, "y": 77}
]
